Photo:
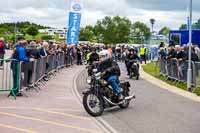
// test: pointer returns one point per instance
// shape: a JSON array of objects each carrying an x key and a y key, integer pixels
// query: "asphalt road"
[{"x": 153, "y": 111}]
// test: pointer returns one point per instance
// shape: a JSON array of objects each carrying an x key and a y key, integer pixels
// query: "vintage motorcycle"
[
  {"x": 134, "y": 70},
  {"x": 100, "y": 95}
]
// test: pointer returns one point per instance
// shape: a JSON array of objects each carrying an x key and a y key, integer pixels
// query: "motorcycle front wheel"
[{"x": 93, "y": 104}]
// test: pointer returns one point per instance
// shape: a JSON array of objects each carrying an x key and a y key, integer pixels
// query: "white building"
[{"x": 54, "y": 31}]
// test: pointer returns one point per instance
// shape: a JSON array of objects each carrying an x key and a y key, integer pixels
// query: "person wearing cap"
[{"x": 19, "y": 54}]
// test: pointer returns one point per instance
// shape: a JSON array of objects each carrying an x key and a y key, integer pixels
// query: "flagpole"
[{"x": 189, "y": 78}]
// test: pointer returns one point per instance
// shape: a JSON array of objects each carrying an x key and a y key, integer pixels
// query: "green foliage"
[
  {"x": 140, "y": 32},
  {"x": 197, "y": 91},
  {"x": 197, "y": 24},
  {"x": 32, "y": 31},
  {"x": 20, "y": 25},
  {"x": 113, "y": 30},
  {"x": 46, "y": 37},
  {"x": 164, "y": 31},
  {"x": 86, "y": 34},
  {"x": 7, "y": 30},
  {"x": 183, "y": 27},
  {"x": 152, "y": 68}
]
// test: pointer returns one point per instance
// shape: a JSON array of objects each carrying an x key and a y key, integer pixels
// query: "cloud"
[
  {"x": 54, "y": 13},
  {"x": 169, "y": 5}
]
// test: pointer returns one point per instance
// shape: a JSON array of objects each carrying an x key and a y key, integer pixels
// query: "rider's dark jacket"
[
  {"x": 131, "y": 57},
  {"x": 93, "y": 57},
  {"x": 110, "y": 68}
]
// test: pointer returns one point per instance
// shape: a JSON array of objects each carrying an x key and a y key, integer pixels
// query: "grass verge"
[{"x": 153, "y": 69}]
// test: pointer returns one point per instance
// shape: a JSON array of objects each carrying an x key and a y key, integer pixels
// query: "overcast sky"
[{"x": 171, "y": 13}]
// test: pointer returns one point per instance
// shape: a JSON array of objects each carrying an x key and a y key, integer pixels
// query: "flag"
[{"x": 74, "y": 22}]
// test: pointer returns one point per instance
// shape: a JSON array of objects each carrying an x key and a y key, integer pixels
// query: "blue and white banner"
[{"x": 74, "y": 22}]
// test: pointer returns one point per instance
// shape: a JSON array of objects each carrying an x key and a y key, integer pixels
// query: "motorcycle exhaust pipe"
[
  {"x": 130, "y": 97},
  {"x": 125, "y": 99},
  {"x": 114, "y": 104}
]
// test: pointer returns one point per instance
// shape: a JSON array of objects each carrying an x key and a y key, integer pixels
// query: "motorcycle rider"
[
  {"x": 110, "y": 72},
  {"x": 92, "y": 56},
  {"x": 129, "y": 59},
  {"x": 90, "y": 59}
]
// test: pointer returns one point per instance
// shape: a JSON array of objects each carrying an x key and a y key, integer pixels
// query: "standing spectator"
[
  {"x": 79, "y": 55},
  {"x": 171, "y": 53},
  {"x": 44, "y": 49},
  {"x": 20, "y": 55},
  {"x": 197, "y": 51},
  {"x": 2, "y": 52},
  {"x": 179, "y": 54},
  {"x": 143, "y": 54}
]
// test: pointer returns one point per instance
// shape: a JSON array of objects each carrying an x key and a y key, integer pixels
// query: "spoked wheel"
[{"x": 93, "y": 104}]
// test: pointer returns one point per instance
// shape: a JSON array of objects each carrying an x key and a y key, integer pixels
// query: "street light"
[{"x": 189, "y": 78}]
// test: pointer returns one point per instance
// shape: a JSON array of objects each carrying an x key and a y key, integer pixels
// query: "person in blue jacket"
[{"x": 19, "y": 54}]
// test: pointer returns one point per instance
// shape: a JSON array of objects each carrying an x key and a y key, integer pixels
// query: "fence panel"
[
  {"x": 9, "y": 75},
  {"x": 197, "y": 74},
  {"x": 23, "y": 75},
  {"x": 163, "y": 69}
]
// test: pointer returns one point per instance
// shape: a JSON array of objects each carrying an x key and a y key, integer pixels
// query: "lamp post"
[{"x": 189, "y": 77}]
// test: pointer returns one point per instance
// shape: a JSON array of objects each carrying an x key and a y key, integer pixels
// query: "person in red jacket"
[{"x": 2, "y": 52}]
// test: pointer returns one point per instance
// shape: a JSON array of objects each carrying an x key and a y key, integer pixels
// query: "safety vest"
[
  {"x": 142, "y": 51},
  {"x": 88, "y": 57}
]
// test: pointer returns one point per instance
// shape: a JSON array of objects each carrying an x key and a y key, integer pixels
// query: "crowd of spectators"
[{"x": 180, "y": 53}]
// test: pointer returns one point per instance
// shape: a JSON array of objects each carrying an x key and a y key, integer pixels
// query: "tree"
[
  {"x": 197, "y": 24},
  {"x": 2, "y": 31},
  {"x": 152, "y": 21},
  {"x": 46, "y": 37},
  {"x": 140, "y": 32},
  {"x": 113, "y": 30},
  {"x": 86, "y": 34},
  {"x": 164, "y": 31},
  {"x": 183, "y": 27},
  {"x": 32, "y": 31}
]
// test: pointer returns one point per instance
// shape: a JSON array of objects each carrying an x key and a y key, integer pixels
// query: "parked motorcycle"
[{"x": 100, "y": 95}]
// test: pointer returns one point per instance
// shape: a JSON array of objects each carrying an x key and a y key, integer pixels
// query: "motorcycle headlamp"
[
  {"x": 95, "y": 70},
  {"x": 89, "y": 80}
]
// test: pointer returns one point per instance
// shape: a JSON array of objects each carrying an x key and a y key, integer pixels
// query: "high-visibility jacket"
[
  {"x": 142, "y": 51},
  {"x": 88, "y": 57}
]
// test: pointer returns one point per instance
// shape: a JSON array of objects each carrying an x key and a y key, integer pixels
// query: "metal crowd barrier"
[
  {"x": 177, "y": 70},
  {"x": 18, "y": 76},
  {"x": 9, "y": 76},
  {"x": 33, "y": 73},
  {"x": 197, "y": 74}
]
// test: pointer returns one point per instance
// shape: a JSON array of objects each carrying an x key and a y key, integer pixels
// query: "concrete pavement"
[
  {"x": 155, "y": 110},
  {"x": 55, "y": 109}
]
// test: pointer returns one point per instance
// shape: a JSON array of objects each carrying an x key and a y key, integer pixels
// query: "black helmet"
[
  {"x": 20, "y": 38},
  {"x": 131, "y": 50}
]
